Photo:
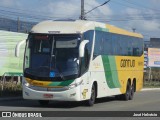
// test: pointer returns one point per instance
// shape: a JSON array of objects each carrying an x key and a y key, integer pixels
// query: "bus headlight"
[
  {"x": 71, "y": 86},
  {"x": 25, "y": 83}
]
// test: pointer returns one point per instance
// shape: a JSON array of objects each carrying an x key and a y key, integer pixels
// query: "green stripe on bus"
[
  {"x": 114, "y": 71},
  {"x": 102, "y": 29},
  {"x": 108, "y": 72},
  {"x": 111, "y": 73},
  {"x": 61, "y": 83}
]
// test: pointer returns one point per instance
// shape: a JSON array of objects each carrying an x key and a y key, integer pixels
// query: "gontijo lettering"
[{"x": 127, "y": 63}]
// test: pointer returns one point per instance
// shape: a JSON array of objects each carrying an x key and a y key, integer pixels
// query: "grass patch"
[
  {"x": 10, "y": 90},
  {"x": 152, "y": 84}
]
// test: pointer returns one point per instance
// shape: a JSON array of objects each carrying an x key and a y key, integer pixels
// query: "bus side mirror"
[
  {"x": 81, "y": 47},
  {"x": 17, "y": 49}
]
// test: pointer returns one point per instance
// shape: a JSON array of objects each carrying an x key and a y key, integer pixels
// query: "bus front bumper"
[{"x": 66, "y": 95}]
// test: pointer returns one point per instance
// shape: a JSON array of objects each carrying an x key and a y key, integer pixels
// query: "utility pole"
[
  {"x": 82, "y": 17},
  {"x": 25, "y": 27},
  {"x": 18, "y": 25}
]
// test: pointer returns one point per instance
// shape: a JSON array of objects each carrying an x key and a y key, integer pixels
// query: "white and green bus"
[{"x": 81, "y": 61}]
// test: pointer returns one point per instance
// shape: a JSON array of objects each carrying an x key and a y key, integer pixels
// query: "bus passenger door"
[{"x": 85, "y": 75}]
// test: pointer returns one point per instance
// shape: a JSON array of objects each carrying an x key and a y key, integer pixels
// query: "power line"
[
  {"x": 43, "y": 17},
  {"x": 127, "y": 17},
  {"x": 127, "y": 3},
  {"x": 141, "y": 6},
  {"x": 97, "y": 7},
  {"x": 132, "y": 14},
  {"x": 28, "y": 15},
  {"x": 28, "y": 11},
  {"x": 32, "y": 16}
]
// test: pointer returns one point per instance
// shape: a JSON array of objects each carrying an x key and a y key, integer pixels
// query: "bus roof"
[
  {"x": 77, "y": 26},
  {"x": 117, "y": 30}
]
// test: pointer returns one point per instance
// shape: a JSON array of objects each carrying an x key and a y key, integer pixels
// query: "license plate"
[{"x": 47, "y": 95}]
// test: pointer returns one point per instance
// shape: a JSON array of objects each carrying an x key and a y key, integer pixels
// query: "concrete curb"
[
  {"x": 149, "y": 89},
  {"x": 11, "y": 98}
]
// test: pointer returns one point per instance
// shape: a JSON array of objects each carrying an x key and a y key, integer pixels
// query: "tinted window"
[
  {"x": 89, "y": 36},
  {"x": 115, "y": 44}
]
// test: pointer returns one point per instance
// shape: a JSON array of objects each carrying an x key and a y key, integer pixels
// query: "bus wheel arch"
[
  {"x": 93, "y": 95},
  {"x": 134, "y": 82},
  {"x": 129, "y": 81},
  {"x": 126, "y": 95},
  {"x": 96, "y": 87},
  {"x": 133, "y": 89}
]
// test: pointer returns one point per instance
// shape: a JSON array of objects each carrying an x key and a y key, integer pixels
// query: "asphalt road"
[{"x": 143, "y": 101}]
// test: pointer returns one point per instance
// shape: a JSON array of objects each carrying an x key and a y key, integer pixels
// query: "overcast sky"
[{"x": 143, "y": 15}]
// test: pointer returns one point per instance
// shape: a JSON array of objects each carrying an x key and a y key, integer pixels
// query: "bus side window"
[
  {"x": 136, "y": 52},
  {"x": 86, "y": 58}
]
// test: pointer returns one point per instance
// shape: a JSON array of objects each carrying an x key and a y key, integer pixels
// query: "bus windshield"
[{"x": 52, "y": 56}]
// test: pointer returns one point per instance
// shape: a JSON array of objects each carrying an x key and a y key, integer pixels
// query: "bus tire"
[
  {"x": 128, "y": 92},
  {"x": 132, "y": 92},
  {"x": 92, "y": 99},
  {"x": 43, "y": 102}
]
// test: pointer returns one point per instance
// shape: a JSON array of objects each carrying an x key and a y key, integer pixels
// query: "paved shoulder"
[
  {"x": 10, "y": 98},
  {"x": 149, "y": 89}
]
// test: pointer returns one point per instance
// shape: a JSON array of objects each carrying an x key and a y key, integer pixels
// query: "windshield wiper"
[{"x": 60, "y": 73}]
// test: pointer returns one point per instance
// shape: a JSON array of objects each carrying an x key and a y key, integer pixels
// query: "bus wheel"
[
  {"x": 92, "y": 99},
  {"x": 43, "y": 102},
  {"x": 132, "y": 92},
  {"x": 128, "y": 92}
]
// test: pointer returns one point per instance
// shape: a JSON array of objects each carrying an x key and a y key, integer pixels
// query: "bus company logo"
[
  {"x": 96, "y": 65},
  {"x": 127, "y": 63},
  {"x": 6, "y": 114}
]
